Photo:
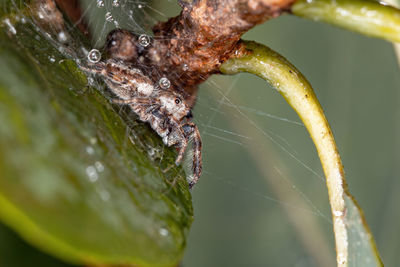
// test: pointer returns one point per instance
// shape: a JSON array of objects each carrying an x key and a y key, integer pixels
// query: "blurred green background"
[
  {"x": 357, "y": 82},
  {"x": 277, "y": 213}
]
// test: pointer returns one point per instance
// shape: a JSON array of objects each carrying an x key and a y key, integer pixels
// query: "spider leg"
[
  {"x": 191, "y": 130},
  {"x": 96, "y": 68},
  {"x": 123, "y": 101},
  {"x": 134, "y": 100},
  {"x": 175, "y": 136},
  {"x": 182, "y": 148}
]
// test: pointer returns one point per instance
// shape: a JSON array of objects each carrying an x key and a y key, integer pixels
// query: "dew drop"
[
  {"x": 100, "y": 3},
  {"x": 52, "y": 59},
  {"x": 185, "y": 67},
  {"x": 140, "y": 6},
  {"x": 89, "y": 150},
  {"x": 90, "y": 81},
  {"x": 163, "y": 232},
  {"x": 144, "y": 40},
  {"x": 93, "y": 140},
  {"x": 108, "y": 16},
  {"x": 62, "y": 37},
  {"x": 104, "y": 195},
  {"x": 92, "y": 173},
  {"x": 115, "y": 3},
  {"x": 99, "y": 166},
  {"x": 164, "y": 83},
  {"x": 94, "y": 56}
]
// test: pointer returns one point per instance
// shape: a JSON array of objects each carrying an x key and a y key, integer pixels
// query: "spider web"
[
  {"x": 215, "y": 104},
  {"x": 262, "y": 183}
]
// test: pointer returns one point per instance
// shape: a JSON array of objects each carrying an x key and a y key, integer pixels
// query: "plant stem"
[
  {"x": 396, "y": 47},
  {"x": 364, "y": 16},
  {"x": 298, "y": 92},
  {"x": 270, "y": 167}
]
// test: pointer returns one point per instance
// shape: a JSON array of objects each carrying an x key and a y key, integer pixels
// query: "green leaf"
[
  {"x": 362, "y": 248},
  {"x": 81, "y": 178},
  {"x": 12, "y": 247}
]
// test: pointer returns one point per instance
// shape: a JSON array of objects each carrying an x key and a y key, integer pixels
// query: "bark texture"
[{"x": 193, "y": 45}]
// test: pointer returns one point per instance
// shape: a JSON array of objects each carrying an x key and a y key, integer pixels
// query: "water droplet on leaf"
[
  {"x": 109, "y": 16},
  {"x": 62, "y": 37},
  {"x": 163, "y": 232},
  {"x": 89, "y": 150},
  {"x": 99, "y": 166},
  {"x": 92, "y": 173},
  {"x": 115, "y": 3},
  {"x": 100, "y": 3}
]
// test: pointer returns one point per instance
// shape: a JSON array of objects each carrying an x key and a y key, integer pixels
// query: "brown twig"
[{"x": 188, "y": 48}]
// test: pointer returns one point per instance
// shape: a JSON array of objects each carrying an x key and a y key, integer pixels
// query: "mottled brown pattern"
[
  {"x": 194, "y": 44},
  {"x": 165, "y": 110},
  {"x": 121, "y": 44},
  {"x": 187, "y": 49}
]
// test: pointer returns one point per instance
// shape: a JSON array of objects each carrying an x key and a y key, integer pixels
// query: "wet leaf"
[
  {"x": 12, "y": 247},
  {"x": 81, "y": 178}
]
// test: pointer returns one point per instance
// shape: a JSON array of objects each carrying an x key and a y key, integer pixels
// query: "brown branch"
[
  {"x": 188, "y": 48},
  {"x": 72, "y": 9}
]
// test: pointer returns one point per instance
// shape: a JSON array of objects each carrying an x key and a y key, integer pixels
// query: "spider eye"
[{"x": 178, "y": 100}]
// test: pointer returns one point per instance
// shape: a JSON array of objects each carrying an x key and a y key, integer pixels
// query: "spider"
[{"x": 165, "y": 110}]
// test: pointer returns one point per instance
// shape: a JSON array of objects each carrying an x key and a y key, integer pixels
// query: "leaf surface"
[{"x": 81, "y": 178}]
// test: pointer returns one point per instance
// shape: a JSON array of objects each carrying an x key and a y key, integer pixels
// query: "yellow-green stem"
[
  {"x": 298, "y": 92},
  {"x": 364, "y": 16},
  {"x": 396, "y": 47}
]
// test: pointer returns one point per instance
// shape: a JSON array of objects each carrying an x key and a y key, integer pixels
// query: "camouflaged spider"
[{"x": 165, "y": 110}]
